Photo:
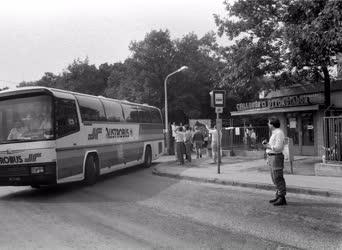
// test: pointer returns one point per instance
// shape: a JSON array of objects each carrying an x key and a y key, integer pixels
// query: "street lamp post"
[{"x": 166, "y": 112}]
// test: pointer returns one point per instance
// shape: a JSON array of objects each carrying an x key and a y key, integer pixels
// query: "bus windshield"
[{"x": 26, "y": 119}]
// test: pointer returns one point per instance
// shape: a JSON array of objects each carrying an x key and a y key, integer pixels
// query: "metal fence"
[
  {"x": 242, "y": 137},
  {"x": 332, "y": 136}
]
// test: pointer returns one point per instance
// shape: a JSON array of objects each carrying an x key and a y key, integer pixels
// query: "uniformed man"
[{"x": 275, "y": 160}]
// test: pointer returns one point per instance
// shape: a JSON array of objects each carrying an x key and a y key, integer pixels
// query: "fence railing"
[
  {"x": 332, "y": 136},
  {"x": 242, "y": 137}
]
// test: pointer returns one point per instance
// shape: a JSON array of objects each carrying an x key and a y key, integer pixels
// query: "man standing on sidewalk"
[
  {"x": 180, "y": 148},
  {"x": 214, "y": 142},
  {"x": 173, "y": 130},
  {"x": 198, "y": 140},
  {"x": 275, "y": 160}
]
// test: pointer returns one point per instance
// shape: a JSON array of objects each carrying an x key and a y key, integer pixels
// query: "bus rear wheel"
[
  {"x": 148, "y": 157},
  {"x": 90, "y": 174}
]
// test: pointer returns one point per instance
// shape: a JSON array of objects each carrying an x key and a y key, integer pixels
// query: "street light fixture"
[{"x": 166, "y": 112}]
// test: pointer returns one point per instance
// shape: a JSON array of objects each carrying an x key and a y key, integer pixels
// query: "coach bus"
[{"x": 50, "y": 136}]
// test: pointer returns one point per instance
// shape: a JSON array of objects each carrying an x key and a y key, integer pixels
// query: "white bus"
[{"x": 51, "y": 136}]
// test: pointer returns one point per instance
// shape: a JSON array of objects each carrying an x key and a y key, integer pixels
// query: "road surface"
[{"x": 133, "y": 209}]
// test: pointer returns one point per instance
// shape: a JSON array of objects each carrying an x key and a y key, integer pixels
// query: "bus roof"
[{"x": 40, "y": 89}]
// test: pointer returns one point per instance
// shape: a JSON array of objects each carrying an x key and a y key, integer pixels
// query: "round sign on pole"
[{"x": 219, "y": 109}]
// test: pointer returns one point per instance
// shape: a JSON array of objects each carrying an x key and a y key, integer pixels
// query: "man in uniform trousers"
[{"x": 275, "y": 160}]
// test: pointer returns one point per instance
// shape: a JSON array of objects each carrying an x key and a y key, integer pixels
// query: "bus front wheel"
[
  {"x": 148, "y": 157},
  {"x": 90, "y": 174}
]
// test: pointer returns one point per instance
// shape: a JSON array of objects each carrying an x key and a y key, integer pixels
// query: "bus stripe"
[{"x": 95, "y": 146}]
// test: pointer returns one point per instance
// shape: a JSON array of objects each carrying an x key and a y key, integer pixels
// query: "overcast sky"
[{"x": 40, "y": 36}]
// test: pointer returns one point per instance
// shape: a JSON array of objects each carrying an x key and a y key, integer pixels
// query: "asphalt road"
[{"x": 133, "y": 209}]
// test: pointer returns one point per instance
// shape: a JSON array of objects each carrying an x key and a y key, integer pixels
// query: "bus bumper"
[{"x": 24, "y": 175}]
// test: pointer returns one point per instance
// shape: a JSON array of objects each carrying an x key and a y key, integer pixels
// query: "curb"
[{"x": 289, "y": 189}]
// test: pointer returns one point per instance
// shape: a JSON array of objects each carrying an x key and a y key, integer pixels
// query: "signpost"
[
  {"x": 288, "y": 152},
  {"x": 218, "y": 101}
]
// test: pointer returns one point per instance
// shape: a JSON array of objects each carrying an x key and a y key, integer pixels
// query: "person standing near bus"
[
  {"x": 188, "y": 142},
  {"x": 214, "y": 142},
  {"x": 198, "y": 140},
  {"x": 173, "y": 133},
  {"x": 180, "y": 148},
  {"x": 275, "y": 160},
  {"x": 253, "y": 139}
]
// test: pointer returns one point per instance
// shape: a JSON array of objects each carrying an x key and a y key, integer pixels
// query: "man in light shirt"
[
  {"x": 214, "y": 142},
  {"x": 275, "y": 160},
  {"x": 173, "y": 130},
  {"x": 180, "y": 148}
]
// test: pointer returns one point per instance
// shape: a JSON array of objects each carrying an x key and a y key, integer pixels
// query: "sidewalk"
[{"x": 253, "y": 173}]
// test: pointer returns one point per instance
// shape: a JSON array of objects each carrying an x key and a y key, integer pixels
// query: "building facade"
[{"x": 300, "y": 110}]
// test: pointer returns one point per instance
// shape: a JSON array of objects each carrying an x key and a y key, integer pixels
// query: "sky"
[{"x": 39, "y": 36}]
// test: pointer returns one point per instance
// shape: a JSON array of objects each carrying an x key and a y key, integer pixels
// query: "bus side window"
[
  {"x": 66, "y": 117},
  {"x": 131, "y": 112},
  {"x": 144, "y": 115},
  {"x": 155, "y": 115},
  {"x": 113, "y": 111},
  {"x": 91, "y": 109}
]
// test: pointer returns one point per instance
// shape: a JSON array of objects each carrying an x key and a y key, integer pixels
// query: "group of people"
[
  {"x": 250, "y": 138},
  {"x": 185, "y": 139}
]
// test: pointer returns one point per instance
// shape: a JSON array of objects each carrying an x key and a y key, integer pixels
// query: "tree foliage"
[
  {"x": 140, "y": 78},
  {"x": 313, "y": 35},
  {"x": 255, "y": 28},
  {"x": 287, "y": 40}
]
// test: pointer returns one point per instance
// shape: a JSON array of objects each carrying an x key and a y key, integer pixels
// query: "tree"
[
  {"x": 152, "y": 60},
  {"x": 313, "y": 35},
  {"x": 123, "y": 84},
  {"x": 49, "y": 80},
  {"x": 140, "y": 78},
  {"x": 83, "y": 77},
  {"x": 276, "y": 38},
  {"x": 190, "y": 90},
  {"x": 255, "y": 28}
]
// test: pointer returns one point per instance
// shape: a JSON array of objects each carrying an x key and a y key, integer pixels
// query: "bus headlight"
[{"x": 37, "y": 170}]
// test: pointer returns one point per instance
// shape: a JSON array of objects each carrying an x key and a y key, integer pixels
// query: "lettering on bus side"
[
  {"x": 118, "y": 132},
  {"x": 95, "y": 134},
  {"x": 11, "y": 159},
  {"x": 33, "y": 157}
]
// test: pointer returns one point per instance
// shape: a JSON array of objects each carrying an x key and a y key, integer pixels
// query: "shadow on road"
[
  {"x": 126, "y": 185},
  {"x": 314, "y": 205}
]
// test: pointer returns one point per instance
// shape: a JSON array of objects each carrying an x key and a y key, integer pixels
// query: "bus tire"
[
  {"x": 148, "y": 157},
  {"x": 90, "y": 174}
]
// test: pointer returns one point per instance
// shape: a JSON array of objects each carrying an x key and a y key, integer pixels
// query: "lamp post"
[{"x": 166, "y": 112}]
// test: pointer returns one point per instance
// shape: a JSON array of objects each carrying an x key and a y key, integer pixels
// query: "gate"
[
  {"x": 332, "y": 136},
  {"x": 242, "y": 137}
]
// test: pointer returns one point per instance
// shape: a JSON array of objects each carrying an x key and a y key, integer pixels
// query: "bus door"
[{"x": 70, "y": 154}]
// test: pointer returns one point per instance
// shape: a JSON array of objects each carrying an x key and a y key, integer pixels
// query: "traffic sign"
[
  {"x": 219, "y": 110},
  {"x": 217, "y": 98}
]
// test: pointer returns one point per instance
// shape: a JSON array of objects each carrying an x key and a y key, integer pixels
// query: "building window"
[{"x": 292, "y": 128}]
